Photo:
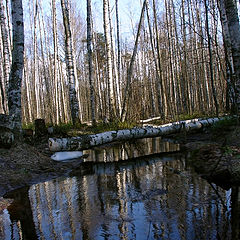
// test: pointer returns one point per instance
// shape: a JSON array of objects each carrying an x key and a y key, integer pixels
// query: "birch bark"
[
  {"x": 6, "y": 50},
  {"x": 228, "y": 51},
  {"x": 15, "y": 80},
  {"x": 162, "y": 98},
  {"x": 234, "y": 31},
  {"x": 87, "y": 141},
  {"x": 130, "y": 68},
  {"x": 55, "y": 62},
  {"x": 90, "y": 61},
  {"x": 106, "y": 27},
  {"x": 69, "y": 61},
  {"x": 210, "y": 59}
]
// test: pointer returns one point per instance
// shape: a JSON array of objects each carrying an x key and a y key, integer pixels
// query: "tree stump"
[
  {"x": 4, "y": 120},
  {"x": 6, "y": 137},
  {"x": 40, "y": 128},
  {"x": 6, "y": 134}
]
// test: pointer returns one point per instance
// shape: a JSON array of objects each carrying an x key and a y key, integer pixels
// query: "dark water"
[{"x": 154, "y": 197}]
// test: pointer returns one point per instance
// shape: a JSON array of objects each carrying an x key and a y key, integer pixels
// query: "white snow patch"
[{"x": 63, "y": 156}]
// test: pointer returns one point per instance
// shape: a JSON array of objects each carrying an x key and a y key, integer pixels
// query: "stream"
[{"x": 142, "y": 189}]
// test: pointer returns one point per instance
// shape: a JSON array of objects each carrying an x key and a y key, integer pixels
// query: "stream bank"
[{"x": 24, "y": 164}]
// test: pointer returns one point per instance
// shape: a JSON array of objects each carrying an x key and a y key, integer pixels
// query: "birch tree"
[
  {"x": 210, "y": 58},
  {"x": 130, "y": 68},
  {"x": 234, "y": 32},
  {"x": 106, "y": 26},
  {"x": 228, "y": 55},
  {"x": 162, "y": 99},
  {"x": 69, "y": 61},
  {"x": 91, "y": 140},
  {"x": 55, "y": 62},
  {"x": 6, "y": 51},
  {"x": 118, "y": 57},
  {"x": 15, "y": 80},
  {"x": 90, "y": 63}
]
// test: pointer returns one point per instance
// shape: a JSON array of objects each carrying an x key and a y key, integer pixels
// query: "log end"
[
  {"x": 52, "y": 145},
  {"x": 57, "y": 144}
]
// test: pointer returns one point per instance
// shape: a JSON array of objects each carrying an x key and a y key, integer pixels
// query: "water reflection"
[
  {"x": 157, "y": 197},
  {"x": 132, "y": 149}
]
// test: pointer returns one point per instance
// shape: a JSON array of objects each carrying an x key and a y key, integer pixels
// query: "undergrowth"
[
  {"x": 115, "y": 125},
  {"x": 100, "y": 126},
  {"x": 82, "y": 128},
  {"x": 223, "y": 125},
  {"x": 28, "y": 126}
]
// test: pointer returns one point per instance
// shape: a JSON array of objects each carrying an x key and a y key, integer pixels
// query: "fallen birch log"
[
  {"x": 150, "y": 119},
  {"x": 88, "y": 141}
]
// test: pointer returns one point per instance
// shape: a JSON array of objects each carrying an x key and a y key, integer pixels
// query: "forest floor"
[{"x": 28, "y": 163}]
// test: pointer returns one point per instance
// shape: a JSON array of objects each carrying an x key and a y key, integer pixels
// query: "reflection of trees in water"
[
  {"x": 132, "y": 149},
  {"x": 21, "y": 217},
  {"x": 131, "y": 201}
]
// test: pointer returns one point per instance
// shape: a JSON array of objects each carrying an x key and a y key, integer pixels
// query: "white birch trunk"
[
  {"x": 90, "y": 63},
  {"x": 69, "y": 61},
  {"x": 15, "y": 81},
  {"x": 2, "y": 83},
  {"x": 6, "y": 49},
  {"x": 130, "y": 68},
  {"x": 118, "y": 81},
  {"x": 36, "y": 76},
  {"x": 88, "y": 141},
  {"x": 55, "y": 74},
  {"x": 109, "y": 59}
]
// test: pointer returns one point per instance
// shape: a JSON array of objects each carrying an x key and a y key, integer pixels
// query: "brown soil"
[
  {"x": 25, "y": 164},
  {"x": 216, "y": 155}
]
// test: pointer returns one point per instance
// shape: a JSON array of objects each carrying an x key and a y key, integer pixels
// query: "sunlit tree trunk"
[
  {"x": 6, "y": 52},
  {"x": 36, "y": 77},
  {"x": 118, "y": 59},
  {"x": 159, "y": 80},
  {"x": 28, "y": 92},
  {"x": 177, "y": 60},
  {"x": 55, "y": 62},
  {"x": 162, "y": 98},
  {"x": 210, "y": 58},
  {"x": 15, "y": 80},
  {"x": 115, "y": 69},
  {"x": 90, "y": 61},
  {"x": 69, "y": 61},
  {"x": 2, "y": 83},
  {"x": 9, "y": 27},
  {"x": 112, "y": 105},
  {"x": 171, "y": 75},
  {"x": 185, "y": 94},
  {"x": 47, "y": 104},
  {"x": 130, "y": 68}
]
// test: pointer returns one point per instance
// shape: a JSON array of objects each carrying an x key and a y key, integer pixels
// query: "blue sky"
[{"x": 129, "y": 12}]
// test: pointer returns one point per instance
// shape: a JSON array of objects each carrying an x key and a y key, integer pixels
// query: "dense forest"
[{"x": 179, "y": 57}]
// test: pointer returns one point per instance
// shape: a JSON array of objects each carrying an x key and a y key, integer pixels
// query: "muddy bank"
[
  {"x": 24, "y": 164},
  {"x": 217, "y": 164},
  {"x": 215, "y": 154}
]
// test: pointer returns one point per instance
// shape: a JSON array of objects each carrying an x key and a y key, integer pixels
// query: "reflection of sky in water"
[{"x": 152, "y": 198}]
